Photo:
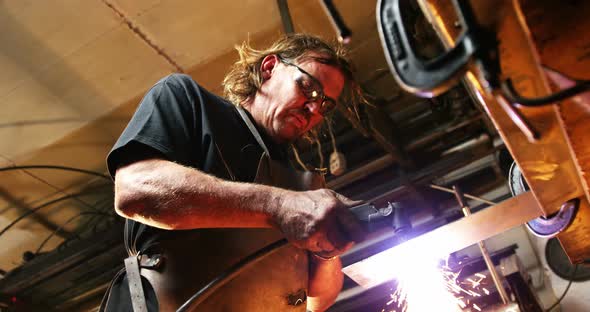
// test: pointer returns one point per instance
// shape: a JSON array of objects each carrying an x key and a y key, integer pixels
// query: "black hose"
[
  {"x": 229, "y": 274},
  {"x": 515, "y": 98},
  {"x": 569, "y": 284}
]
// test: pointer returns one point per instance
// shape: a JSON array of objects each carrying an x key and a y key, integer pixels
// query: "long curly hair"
[{"x": 245, "y": 78}]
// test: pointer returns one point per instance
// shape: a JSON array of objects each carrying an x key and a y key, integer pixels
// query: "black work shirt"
[{"x": 180, "y": 121}]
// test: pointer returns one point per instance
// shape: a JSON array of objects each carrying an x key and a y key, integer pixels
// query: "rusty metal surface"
[{"x": 560, "y": 33}]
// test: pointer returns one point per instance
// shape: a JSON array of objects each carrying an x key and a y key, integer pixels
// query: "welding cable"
[
  {"x": 33, "y": 210},
  {"x": 298, "y": 159},
  {"x": 320, "y": 154},
  {"x": 515, "y": 98},
  {"x": 569, "y": 284},
  {"x": 90, "y": 172},
  {"x": 229, "y": 274},
  {"x": 332, "y": 138}
]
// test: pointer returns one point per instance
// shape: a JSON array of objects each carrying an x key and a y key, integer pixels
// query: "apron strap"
[
  {"x": 135, "y": 287},
  {"x": 253, "y": 129}
]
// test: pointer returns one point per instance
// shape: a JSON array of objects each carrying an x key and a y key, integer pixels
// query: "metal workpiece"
[{"x": 484, "y": 251}]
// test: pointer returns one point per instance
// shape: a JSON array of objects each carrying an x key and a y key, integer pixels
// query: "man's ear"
[{"x": 267, "y": 66}]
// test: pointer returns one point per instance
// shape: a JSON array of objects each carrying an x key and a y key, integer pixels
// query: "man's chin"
[{"x": 288, "y": 135}]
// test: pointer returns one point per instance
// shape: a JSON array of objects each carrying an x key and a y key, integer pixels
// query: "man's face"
[{"x": 294, "y": 97}]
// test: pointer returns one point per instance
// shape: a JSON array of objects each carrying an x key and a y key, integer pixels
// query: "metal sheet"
[{"x": 515, "y": 211}]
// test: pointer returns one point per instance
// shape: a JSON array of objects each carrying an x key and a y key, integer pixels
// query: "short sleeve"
[{"x": 166, "y": 123}]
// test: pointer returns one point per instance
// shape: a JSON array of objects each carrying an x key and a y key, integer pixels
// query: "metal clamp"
[{"x": 427, "y": 77}]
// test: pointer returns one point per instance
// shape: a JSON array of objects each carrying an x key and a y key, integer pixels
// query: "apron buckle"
[{"x": 151, "y": 262}]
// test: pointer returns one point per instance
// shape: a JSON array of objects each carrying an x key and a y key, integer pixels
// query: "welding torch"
[{"x": 374, "y": 218}]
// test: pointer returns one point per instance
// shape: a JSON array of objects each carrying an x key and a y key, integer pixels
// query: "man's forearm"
[
  {"x": 170, "y": 196},
  {"x": 325, "y": 282},
  {"x": 167, "y": 195}
]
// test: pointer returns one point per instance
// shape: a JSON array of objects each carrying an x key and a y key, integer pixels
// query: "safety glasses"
[{"x": 312, "y": 89}]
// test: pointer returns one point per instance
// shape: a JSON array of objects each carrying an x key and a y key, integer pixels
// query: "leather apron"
[{"x": 192, "y": 259}]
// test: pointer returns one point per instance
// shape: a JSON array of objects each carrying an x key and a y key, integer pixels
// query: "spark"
[
  {"x": 422, "y": 279},
  {"x": 461, "y": 303},
  {"x": 474, "y": 284},
  {"x": 419, "y": 279}
]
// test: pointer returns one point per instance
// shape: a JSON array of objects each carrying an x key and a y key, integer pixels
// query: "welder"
[{"x": 204, "y": 181}]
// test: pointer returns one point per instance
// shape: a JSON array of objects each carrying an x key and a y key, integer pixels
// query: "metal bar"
[
  {"x": 484, "y": 251},
  {"x": 344, "y": 33},
  {"x": 448, "y": 238},
  {"x": 285, "y": 16}
]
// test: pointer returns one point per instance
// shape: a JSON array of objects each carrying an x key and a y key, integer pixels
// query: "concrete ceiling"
[{"x": 73, "y": 72}]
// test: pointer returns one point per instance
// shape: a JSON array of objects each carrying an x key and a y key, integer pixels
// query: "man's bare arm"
[{"x": 167, "y": 195}]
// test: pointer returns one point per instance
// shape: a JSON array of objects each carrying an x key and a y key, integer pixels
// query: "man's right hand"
[{"x": 319, "y": 221}]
